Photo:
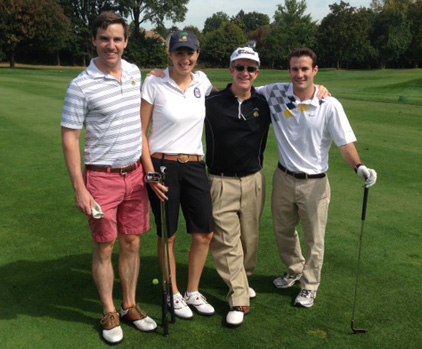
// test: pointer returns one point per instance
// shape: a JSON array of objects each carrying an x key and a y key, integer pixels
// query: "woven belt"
[
  {"x": 230, "y": 174},
  {"x": 182, "y": 158},
  {"x": 300, "y": 175},
  {"x": 122, "y": 170}
]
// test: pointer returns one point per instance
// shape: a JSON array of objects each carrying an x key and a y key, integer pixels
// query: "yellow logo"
[
  {"x": 303, "y": 108},
  {"x": 288, "y": 114},
  {"x": 133, "y": 83},
  {"x": 256, "y": 112}
]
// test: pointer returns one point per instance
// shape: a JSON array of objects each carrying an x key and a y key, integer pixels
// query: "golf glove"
[
  {"x": 97, "y": 212},
  {"x": 368, "y": 174}
]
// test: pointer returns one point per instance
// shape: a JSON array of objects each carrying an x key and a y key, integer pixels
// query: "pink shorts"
[{"x": 124, "y": 201}]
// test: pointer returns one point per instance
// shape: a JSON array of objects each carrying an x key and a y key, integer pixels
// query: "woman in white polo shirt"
[{"x": 175, "y": 109}]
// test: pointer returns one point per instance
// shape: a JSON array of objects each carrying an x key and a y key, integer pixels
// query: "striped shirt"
[{"x": 110, "y": 112}]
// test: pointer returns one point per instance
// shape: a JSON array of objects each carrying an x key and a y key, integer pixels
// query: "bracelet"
[{"x": 357, "y": 166}]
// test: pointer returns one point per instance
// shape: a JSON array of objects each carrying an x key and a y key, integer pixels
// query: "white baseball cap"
[{"x": 245, "y": 53}]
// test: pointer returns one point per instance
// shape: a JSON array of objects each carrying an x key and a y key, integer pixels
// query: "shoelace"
[
  {"x": 110, "y": 318},
  {"x": 200, "y": 296},
  {"x": 178, "y": 298},
  {"x": 305, "y": 293}
]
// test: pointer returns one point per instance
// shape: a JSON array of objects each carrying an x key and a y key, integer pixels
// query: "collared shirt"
[
  {"x": 110, "y": 111},
  {"x": 236, "y": 132},
  {"x": 306, "y": 129},
  {"x": 178, "y": 117}
]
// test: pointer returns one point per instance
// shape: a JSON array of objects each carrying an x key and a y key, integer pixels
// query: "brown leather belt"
[
  {"x": 122, "y": 170},
  {"x": 182, "y": 158},
  {"x": 300, "y": 175}
]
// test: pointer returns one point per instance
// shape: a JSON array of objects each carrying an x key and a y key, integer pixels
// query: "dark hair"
[
  {"x": 104, "y": 19},
  {"x": 304, "y": 51}
]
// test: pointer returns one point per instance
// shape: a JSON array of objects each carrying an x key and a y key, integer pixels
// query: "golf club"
[
  {"x": 160, "y": 177},
  {"x": 365, "y": 202},
  {"x": 166, "y": 266}
]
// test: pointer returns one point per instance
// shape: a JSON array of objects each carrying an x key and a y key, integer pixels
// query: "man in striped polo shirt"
[{"x": 106, "y": 98}]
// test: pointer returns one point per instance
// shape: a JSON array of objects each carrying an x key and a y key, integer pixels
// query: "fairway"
[{"x": 47, "y": 295}]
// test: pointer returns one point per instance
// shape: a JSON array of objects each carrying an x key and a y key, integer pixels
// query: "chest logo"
[
  {"x": 197, "y": 92},
  {"x": 256, "y": 112},
  {"x": 303, "y": 108},
  {"x": 288, "y": 114},
  {"x": 133, "y": 83}
]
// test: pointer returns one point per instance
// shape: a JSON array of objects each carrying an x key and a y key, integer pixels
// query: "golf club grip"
[{"x": 365, "y": 202}]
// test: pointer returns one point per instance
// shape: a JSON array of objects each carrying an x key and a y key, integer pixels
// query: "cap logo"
[
  {"x": 183, "y": 37},
  {"x": 239, "y": 52}
]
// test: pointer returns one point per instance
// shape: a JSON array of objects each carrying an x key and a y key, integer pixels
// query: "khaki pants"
[
  {"x": 237, "y": 208},
  {"x": 295, "y": 200}
]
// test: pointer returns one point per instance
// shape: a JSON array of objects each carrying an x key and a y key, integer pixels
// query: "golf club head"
[
  {"x": 355, "y": 330},
  {"x": 153, "y": 177}
]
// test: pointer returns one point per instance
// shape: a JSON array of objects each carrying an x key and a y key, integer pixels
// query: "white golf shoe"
[
  {"x": 252, "y": 293},
  {"x": 287, "y": 280},
  {"x": 181, "y": 309},
  {"x": 305, "y": 298},
  {"x": 198, "y": 302},
  {"x": 112, "y": 332},
  {"x": 136, "y": 316},
  {"x": 235, "y": 316}
]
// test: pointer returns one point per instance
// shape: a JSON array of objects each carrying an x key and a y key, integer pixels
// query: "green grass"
[{"x": 47, "y": 296}]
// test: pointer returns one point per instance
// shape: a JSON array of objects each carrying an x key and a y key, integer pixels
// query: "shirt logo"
[
  {"x": 197, "y": 92},
  {"x": 303, "y": 108},
  {"x": 288, "y": 114},
  {"x": 133, "y": 83},
  {"x": 256, "y": 112}
]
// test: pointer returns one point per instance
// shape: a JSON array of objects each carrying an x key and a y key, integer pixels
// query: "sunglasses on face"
[{"x": 242, "y": 68}]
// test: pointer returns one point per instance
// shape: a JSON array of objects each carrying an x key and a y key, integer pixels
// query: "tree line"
[{"x": 57, "y": 32}]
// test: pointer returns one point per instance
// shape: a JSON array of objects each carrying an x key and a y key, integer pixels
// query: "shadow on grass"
[{"x": 63, "y": 289}]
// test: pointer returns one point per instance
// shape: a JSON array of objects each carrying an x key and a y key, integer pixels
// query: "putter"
[
  {"x": 365, "y": 202},
  {"x": 160, "y": 177}
]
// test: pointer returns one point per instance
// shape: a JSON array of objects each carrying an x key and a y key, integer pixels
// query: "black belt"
[
  {"x": 231, "y": 174},
  {"x": 300, "y": 175}
]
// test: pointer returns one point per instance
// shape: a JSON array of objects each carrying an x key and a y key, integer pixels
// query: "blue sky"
[{"x": 200, "y": 10}]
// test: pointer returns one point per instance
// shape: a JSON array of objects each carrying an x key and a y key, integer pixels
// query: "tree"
[
  {"x": 55, "y": 30},
  {"x": 391, "y": 35},
  {"x": 291, "y": 29},
  {"x": 415, "y": 19},
  {"x": 215, "y": 21},
  {"x": 25, "y": 20},
  {"x": 255, "y": 20},
  {"x": 82, "y": 13},
  {"x": 219, "y": 44},
  {"x": 343, "y": 36},
  {"x": 153, "y": 11},
  {"x": 146, "y": 52},
  {"x": 250, "y": 21}
]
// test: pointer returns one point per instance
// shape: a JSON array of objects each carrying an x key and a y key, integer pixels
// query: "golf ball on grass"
[{"x": 155, "y": 281}]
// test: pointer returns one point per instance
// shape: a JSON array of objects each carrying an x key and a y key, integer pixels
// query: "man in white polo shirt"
[
  {"x": 305, "y": 127},
  {"x": 106, "y": 99}
]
